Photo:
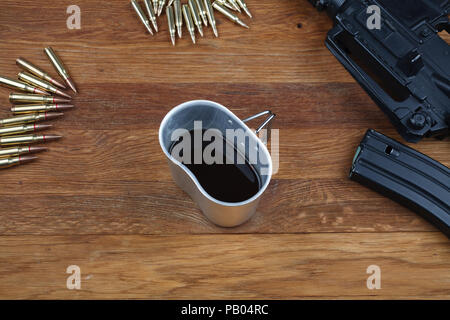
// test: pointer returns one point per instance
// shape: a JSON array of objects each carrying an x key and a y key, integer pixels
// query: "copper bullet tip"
[
  {"x": 37, "y": 149},
  {"x": 64, "y": 106},
  {"x": 39, "y": 127},
  {"x": 60, "y": 100},
  {"x": 25, "y": 159},
  {"x": 71, "y": 84},
  {"x": 53, "y": 115},
  {"x": 60, "y": 93},
  {"x": 40, "y": 91},
  {"x": 58, "y": 84},
  {"x": 51, "y": 137}
]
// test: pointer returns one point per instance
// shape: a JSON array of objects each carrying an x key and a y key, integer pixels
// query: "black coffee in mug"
[{"x": 233, "y": 179}]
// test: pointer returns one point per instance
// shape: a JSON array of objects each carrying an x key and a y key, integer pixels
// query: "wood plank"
[
  {"x": 143, "y": 106},
  {"x": 214, "y": 267},
  {"x": 125, "y": 172},
  {"x": 111, "y": 35},
  {"x": 290, "y": 206}
]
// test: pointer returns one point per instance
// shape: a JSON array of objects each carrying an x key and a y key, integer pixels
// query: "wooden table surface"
[{"x": 103, "y": 198}]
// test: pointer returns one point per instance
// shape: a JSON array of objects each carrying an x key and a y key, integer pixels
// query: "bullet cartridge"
[
  {"x": 171, "y": 23},
  {"x": 226, "y": 4},
  {"x": 59, "y": 66},
  {"x": 151, "y": 14},
  {"x": 161, "y": 6},
  {"x": 189, "y": 23},
  {"x": 24, "y": 128},
  {"x": 18, "y": 85},
  {"x": 27, "y": 139},
  {"x": 141, "y": 15},
  {"x": 234, "y": 5},
  {"x": 33, "y": 108},
  {"x": 28, "y": 66},
  {"x": 211, "y": 17},
  {"x": 35, "y": 81},
  {"x": 227, "y": 13},
  {"x": 14, "y": 161},
  {"x": 196, "y": 16},
  {"x": 202, "y": 11},
  {"x": 243, "y": 5},
  {"x": 30, "y": 118},
  {"x": 178, "y": 17},
  {"x": 17, "y": 98},
  {"x": 17, "y": 151}
]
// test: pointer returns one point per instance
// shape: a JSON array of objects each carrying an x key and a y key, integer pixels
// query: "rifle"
[{"x": 393, "y": 49}]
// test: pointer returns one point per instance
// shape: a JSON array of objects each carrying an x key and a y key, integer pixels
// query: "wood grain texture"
[
  {"x": 227, "y": 266},
  {"x": 103, "y": 196}
]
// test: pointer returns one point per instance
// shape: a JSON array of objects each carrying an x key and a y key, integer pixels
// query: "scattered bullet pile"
[
  {"x": 35, "y": 105},
  {"x": 194, "y": 12}
]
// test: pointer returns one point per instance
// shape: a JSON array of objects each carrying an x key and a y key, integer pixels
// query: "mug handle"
[{"x": 267, "y": 123}]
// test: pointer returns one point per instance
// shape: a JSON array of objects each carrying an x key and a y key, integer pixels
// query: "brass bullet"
[
  {"x": 211, "y": 17},
  {"x": 189, "y": 23},
  {"x": 17, "y": 98},
  {"x": 18, "y": 85},
  {"x": 35, "y": 81},
  {"x": 30, "y": 118},
  {"x": 14, "y": 161},
  {"x": 59, "y": 66},
  {"x": 243, "y": 5},
  {"x": 161, "y": 6},
  {"x": 24, "y": 128},
  {"x": 32, "y": 108},
  {"x": 141, "y": 15},
  {"x": 151, "y": 14},
  {"x": 227, "y": 13},
  {"x": 28, "y": 66},
  {"x": 235, "y": 5},
  {"x": 202, "y": 11},
  {"x": 196, "y": 16},
  {"x": 171, "y": 23},
  {"x": 226, "y": 4},
  {"x": 17, "y": 151},
  {"x": 18, "y": 140},
  {"x": 178, "y": 17}
]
